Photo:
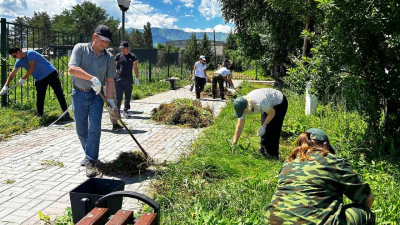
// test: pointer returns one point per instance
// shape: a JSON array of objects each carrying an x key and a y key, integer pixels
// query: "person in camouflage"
[{"x": 311, "y": 184}]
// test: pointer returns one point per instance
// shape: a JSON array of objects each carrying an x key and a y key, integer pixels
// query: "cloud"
[
  {"x": 13, "y": 5},
  {"x": 187, "y": 3},
  {"x": 140, "y": 13},
  {"x": 223, "y": 28},
  {"x": 218, "y": 28},
  {"x": 7, "y": 13},
  {"x": 167, "y": 2},
  {"x": 210, "y": 9}
]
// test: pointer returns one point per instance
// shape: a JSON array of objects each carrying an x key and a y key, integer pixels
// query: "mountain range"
[{"x": 161, "y": 35}]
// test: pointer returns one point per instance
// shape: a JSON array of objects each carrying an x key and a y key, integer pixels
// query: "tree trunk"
[{"x": 309, "y": 27}]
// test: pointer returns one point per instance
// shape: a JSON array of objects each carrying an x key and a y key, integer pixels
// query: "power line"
[{"x": 151, "y": 16}]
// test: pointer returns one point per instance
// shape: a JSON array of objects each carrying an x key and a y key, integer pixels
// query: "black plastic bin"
[
  {"x": 84, "y": 197},
  {"x": 172, "y": 81}
]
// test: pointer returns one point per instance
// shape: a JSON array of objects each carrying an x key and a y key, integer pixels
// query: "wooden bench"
[{"x": 100, "y": 215}]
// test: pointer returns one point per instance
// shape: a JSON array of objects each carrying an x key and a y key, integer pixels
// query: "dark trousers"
[
  {"x": 41, "y": 87},
  {"x": 199, "y": 84},
  {"x": 220, "y": 81},
  {"x": 270, "y": 140},
  {"x": 121, "y": 87}
]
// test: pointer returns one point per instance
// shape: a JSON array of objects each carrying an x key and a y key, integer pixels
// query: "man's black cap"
[
  {"x": 124, "y": 44},
  {"x": 104, "y": 31}
]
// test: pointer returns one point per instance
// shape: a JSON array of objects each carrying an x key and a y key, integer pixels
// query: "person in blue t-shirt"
[{"x": 44, "y": 73}]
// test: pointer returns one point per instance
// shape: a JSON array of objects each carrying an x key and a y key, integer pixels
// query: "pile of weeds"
[
  {"x": 127, "y": 163},
  {"x": 207, "y": 93},
  {"x": 183, "y": 112}
]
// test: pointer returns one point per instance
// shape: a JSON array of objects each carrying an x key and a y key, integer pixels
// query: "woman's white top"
[
  {"x": 199, "y": 72},
  {"x": 263, "y": 99}
]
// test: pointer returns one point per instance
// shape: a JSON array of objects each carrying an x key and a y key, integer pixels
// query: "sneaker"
[
  {"x": 90, "y": 169},
  {"x": 126, "y": 114},
  {"x": 117, "y": 127},
  {"x": 84, "y": 161}
]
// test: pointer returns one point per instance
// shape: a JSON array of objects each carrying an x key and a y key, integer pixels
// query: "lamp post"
[{"x": 124, "y": 6}]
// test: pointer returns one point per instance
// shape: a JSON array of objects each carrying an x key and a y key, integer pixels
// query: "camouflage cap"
[{"x": 321, "y": 136}]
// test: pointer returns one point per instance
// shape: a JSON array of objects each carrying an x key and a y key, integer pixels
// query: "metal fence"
[{"x": 56, "y": 46}]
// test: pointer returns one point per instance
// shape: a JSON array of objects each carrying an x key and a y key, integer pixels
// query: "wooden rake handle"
[{"x": 123, "y": 124}]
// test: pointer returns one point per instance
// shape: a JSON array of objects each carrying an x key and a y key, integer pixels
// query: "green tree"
[
  {"x": 136, "y": 39},
  {"x": 63, "y": 22},
  {"x": 148, "y": 36},
  {"x": 265, "y": 30},
  {"x": 192, "y": 51},
  {"x": 206, "y": 50},
  {"x": 18, "y": 33},
  {"x": 160, "y": 46},
  {"x": 40, "y": 19}
]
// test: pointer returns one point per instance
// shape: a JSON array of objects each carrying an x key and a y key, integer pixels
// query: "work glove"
[
  {"x": 111, "y": 101},
  {"x": 21, "y": 81},
  {"x": 4, "y": 90},
  {"x": 261, "y": 131},
  {"x": 137, "y": 81},
  {"x": 96, "y": 85}
]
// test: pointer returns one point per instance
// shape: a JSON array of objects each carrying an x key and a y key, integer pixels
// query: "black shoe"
[
  {"x": 222, "y": 98},
  {"x": 117, "y": 127},
  {"x": 67, "y": 117},
  {"x": 90, "y": 169}
]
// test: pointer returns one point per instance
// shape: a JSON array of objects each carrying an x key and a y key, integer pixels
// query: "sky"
[{"x": 187, "y": 15}]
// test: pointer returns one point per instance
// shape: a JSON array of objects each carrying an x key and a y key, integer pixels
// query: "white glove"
[
  {"x": 111, "y": 101},
  {"x": 137, "y": 81},
  {"x": 4, "y": 90},
  {"x": 21, "y": 81},
  {"x": 96, "y": 85},
  {"x": 261, "y": 131}
]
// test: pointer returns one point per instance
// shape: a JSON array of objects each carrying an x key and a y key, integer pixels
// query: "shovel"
[{"x": 123, "y": 124}]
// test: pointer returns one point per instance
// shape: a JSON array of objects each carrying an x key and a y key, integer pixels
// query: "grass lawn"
[{"x": 220, "y": 185}]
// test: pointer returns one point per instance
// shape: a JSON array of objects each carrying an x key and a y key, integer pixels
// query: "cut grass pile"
[
  {"x": 183, "y": 112},
  {"x": 127, "y": 163}
]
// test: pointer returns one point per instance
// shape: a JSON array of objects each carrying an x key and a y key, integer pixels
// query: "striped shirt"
[{"x": 263, "y": 99}]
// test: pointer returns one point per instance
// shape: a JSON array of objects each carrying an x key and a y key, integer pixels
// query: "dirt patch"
[
  {"x": 127, "y": 163},
  {"x": 183, "y": 112},
  {"x": 207, "y": 93}
]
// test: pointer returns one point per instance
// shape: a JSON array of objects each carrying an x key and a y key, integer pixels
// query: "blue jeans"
[{"x": 88, "y": 110}]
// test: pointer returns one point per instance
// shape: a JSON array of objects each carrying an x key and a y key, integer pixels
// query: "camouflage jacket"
[{"x": 311, "y": 192}]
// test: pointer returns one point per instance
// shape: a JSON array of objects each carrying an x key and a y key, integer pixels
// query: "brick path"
[{"x": 29, "y": 182}]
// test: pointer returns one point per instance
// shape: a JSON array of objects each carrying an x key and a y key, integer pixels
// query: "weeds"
[
  {"x": 52, "y": 163},
  {"x": 10, "y": 181}
]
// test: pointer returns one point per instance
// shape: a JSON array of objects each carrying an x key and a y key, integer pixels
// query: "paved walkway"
[{"x": 31, "y": 180}]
